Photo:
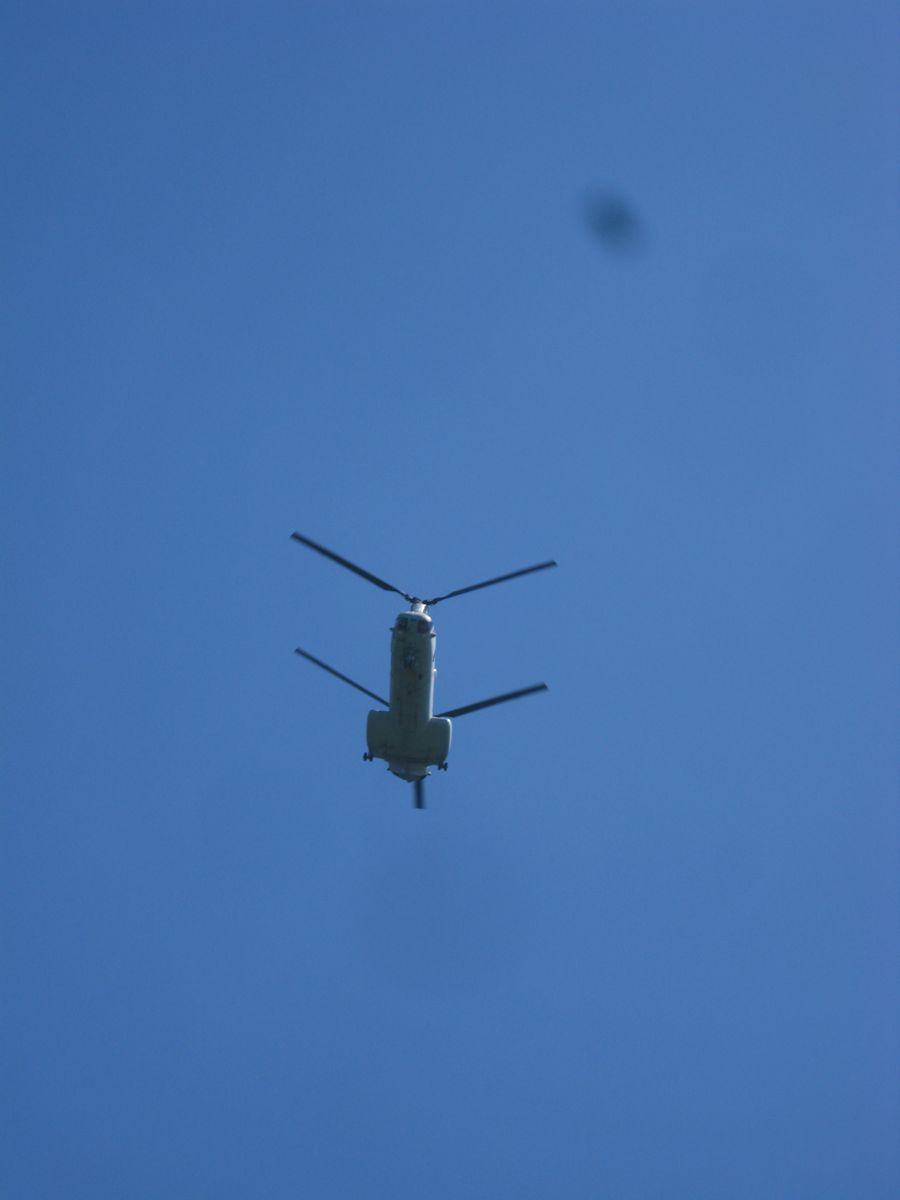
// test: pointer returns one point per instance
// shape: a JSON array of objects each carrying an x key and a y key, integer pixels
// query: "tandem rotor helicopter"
[{"x": 410, "y": 737}]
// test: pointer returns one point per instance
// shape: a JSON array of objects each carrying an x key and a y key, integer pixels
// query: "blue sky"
[{"x": 327, "y": 268}]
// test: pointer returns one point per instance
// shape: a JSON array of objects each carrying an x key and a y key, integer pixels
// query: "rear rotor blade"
[
  {"x": 419, "y": 795},
  {"x": 344, "y": 562},
  {"x": 474, "y": 587},
  {"x": 331, "y": 671},
  {"x": 468, "y": 708}
]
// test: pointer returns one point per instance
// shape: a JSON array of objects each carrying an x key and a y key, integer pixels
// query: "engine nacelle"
[{"x": 406, "y": 748}]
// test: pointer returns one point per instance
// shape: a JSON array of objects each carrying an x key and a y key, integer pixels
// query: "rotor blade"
[
  {"x": 387, "y": 587},
  {"x": 331, "y": 671},
  {"x": 490, "y": 582},
  {"x": 419, "y": 797},
  {"x": 467, "y": 708}
]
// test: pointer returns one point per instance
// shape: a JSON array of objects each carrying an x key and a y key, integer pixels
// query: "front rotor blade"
[
  {"x": 490, "y": 582},
  {"x": 331, "y": 671},
  {"x": 468, "y": 708},
  {"x": 419, "y": 798},
  {"x": 387, "y": 587}
]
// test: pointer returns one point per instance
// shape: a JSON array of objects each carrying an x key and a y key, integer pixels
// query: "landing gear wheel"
[
  {"x": 367, "y": 757},
  {"x": 442, "y": 766}
]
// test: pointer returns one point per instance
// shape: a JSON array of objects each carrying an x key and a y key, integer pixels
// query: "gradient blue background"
[{"x": 326, "y": 267}]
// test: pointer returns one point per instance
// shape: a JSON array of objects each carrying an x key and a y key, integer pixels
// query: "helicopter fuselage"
[
  {"x": 405, "y": 733},
  {"x": 409, "y": 737}
]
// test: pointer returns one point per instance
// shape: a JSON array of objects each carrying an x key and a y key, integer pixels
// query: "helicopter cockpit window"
[
  {"x": 402, "y": 622},
  {"x": 424, "y": 627}
]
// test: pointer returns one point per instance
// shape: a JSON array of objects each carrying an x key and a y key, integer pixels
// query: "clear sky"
[{"x": 338, "y": 268}]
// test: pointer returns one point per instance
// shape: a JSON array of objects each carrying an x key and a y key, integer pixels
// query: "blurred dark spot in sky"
[{"x": 613, "y": 221}]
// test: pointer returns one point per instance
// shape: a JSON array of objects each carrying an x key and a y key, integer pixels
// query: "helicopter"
[{"x": 410, "y": 737}]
